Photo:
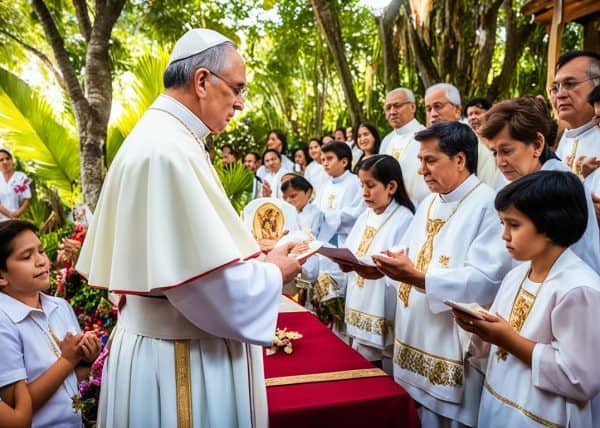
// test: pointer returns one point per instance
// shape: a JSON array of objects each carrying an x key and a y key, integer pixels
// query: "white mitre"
[{"x": 196, "y": 41}]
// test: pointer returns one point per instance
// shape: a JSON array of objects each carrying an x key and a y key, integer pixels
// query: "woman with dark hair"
[
  {"x": 315, "y": 173},
  {"x": 370, "y": 304},
  {"x": 271, "y": 179},
  {"x": 277, "y": 141},
  {"x": 15, "y": 192},
  {"x": 519, "y": 131},
  {"x": 301, "y": 159},
  {"x": 540, "y": 338},
  {"x": 366, "y": 138}
]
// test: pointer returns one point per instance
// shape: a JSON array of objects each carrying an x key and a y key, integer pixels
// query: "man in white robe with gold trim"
[
  {"x": 400, "y": 111},
  {"x": 578, "y": 72},
  {"x": 165, "y": 235},
  {"x": 453, "y": 250}
]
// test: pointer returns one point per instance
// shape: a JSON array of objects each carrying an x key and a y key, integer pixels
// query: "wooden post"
[{"x": 556, "y": 29}]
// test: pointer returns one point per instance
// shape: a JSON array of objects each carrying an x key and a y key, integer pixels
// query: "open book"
[
  {"x": 345, "y": 256},
  {"x": 472, "y": 309}
]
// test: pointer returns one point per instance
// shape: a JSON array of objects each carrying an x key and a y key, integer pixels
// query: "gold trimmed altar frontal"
[
  {"x": 439, "y": 370},
  {"x": 520, "y": 408},
  {"x": 364, "y": 321},
  {"x": 324, "y": 377}
]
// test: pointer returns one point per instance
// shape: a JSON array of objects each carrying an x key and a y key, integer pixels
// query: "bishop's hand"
[{"x": 289, "y": 266}]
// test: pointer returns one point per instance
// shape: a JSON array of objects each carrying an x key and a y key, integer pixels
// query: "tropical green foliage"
[
  {"x": 45, "y": 142},
  {"x": 237, "y": 182},
  {"x": 145, "y": 85}
]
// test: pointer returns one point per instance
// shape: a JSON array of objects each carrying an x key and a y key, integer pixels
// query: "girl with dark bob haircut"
[
  {"x": 539, "y": 337},
  {"x": 554, "y": 201}
]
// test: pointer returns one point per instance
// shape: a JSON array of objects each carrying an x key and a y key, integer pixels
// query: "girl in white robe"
[
  {"x": 274, "y": 171},
  {"x": 371, "y": 304},
  {"x": 540, "y": 337}
]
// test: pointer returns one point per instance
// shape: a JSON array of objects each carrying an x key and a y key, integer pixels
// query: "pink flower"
[{"x": 23, "y": 187}]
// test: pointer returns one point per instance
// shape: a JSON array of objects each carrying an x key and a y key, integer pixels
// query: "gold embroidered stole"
[
  {"x": 574, "y": 167},
  {"x": 368, "y": 236},
  {"x": 520, "y": 310},
  {"x": 432, "y": 228}
]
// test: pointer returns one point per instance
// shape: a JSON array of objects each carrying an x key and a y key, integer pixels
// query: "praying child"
[
  {"x": 40, "y": 339},
  {"x": 541, "y": 336}
]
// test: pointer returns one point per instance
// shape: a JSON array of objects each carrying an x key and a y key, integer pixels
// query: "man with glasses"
[
  {"x": 400, "y": 111},
  {"x": 443, "y": 103},
  {"x": 165, "y": 235},
  {"x": 577, "y": 72}
]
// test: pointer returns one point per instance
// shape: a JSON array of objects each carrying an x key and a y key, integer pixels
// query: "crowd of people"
[
  {"x": 478, "y": 293},
  {"x": 425, "y": 203}
]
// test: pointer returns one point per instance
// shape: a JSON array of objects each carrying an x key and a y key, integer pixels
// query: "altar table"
[{"x": 367, "y": 401}]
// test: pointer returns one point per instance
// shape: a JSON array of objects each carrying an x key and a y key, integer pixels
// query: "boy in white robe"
[
  {"x": 452, "y": 251},
  {"x": 540, "y": 337}
]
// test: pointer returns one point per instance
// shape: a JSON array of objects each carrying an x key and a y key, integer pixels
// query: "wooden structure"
[{"x": 555, "y": 14}]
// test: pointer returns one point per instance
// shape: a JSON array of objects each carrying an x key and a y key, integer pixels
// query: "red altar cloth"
[{"x": 372, "y": 402}]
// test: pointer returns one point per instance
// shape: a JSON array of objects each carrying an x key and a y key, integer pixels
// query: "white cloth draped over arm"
[
  {"x": 238, "y": 302},
  {"x": 569, "y": 366},
  {"x": 478, "y": 279}
]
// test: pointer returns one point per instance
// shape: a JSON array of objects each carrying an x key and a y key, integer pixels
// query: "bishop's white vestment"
[
  {"x": 165, "y": 234},
  {"x": 456, "y": 240}
]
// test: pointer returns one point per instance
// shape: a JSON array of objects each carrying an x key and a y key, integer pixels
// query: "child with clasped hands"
[
  {"x": 40, "y": 338},
  {"x": 540, "y": 338}
]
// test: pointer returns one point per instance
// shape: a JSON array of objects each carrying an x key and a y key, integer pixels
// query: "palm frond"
[
  {"x": 37, "y": 136},
  {"x": 147, "y": 85},
  {"x": 237, "y": 182}
]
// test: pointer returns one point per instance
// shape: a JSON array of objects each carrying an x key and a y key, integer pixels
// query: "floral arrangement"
[
  {"x": 89, "y": 392},
  {"x": 283, "y": 339}
]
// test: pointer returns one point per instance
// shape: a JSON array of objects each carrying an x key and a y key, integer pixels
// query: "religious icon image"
[{"x": 268, "y": 222}]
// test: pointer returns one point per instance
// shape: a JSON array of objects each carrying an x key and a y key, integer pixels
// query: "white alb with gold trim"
[
  {"x": 565, "y": 371},
  {"x": 468, "y": 262},
  {"x": 340, "y": 200},
  {"x": 401, "y": 145},
  {"x": 371, "y": 304}
]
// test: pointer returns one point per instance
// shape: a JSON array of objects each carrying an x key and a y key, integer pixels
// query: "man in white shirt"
[
  {"x": 452, "y": 250},
  {"x": 165, "y": 234},
  {"x": 577, "y": 72},
  {"x": 252, "y": 162},
  {"x": 443, "y": 103},
  {"x": 400, "y": 111}
]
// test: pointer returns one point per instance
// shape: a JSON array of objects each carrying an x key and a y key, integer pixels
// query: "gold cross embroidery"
[{"x": 331, "y": 198}]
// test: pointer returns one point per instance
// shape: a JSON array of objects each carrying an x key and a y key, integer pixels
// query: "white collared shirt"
[{"x": 26, "y": 353}]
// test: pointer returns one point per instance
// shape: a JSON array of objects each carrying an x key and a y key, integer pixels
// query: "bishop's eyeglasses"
[{"x": 239, "y": 90}]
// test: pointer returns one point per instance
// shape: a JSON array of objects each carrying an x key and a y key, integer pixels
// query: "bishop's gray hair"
[
  {"x": 407, "y": 93},
  {"x": 452, "y": 93},
  {"x": 179, "y": 73}
]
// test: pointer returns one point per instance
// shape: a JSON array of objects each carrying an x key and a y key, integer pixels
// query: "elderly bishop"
[{"x": 165, "y": 235}]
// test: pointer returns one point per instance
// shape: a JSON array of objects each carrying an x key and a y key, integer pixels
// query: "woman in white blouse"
[{"x": 15, "y": 192}]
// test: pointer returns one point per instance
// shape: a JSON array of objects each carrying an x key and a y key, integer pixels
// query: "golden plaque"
[{"x": 268, "y": 222}]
